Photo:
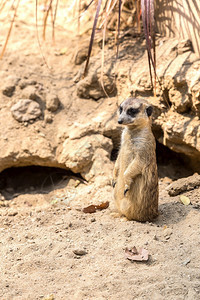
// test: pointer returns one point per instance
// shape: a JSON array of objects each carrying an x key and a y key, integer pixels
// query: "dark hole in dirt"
[
  {"x": 114, "y": 154},
  {"x": 171, "y": 164},
  {"x": 32, "y": 180}
]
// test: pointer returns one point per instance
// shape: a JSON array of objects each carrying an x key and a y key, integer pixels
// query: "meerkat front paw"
[{"x": 126, "y": 189}]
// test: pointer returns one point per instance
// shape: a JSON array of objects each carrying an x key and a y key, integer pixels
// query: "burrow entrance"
[
  {"x": 171, "y": 164},
  {"x": 33, "y": 180}
]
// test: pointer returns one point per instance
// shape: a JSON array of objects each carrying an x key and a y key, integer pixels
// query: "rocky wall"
[{"x": 72, "y": 123}]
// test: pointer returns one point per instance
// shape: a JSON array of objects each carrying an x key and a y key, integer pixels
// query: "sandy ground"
[
  {"x": 38, "y": 235},
  {"x": 38, "y": 240}
]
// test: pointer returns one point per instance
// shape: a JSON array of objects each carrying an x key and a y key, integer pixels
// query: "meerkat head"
[{"x": 134, "y": 112}]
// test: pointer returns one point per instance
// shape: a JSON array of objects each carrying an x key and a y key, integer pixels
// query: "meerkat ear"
[{"x": 149, "y": 110}]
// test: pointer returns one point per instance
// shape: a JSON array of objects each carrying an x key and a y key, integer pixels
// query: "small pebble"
[
  {"x": 80, "y": 252},
  {"x": 12, "y": 213},
  {"x": 167, "y": 232},
  {"x": 187, "y": 261},
  {"x": 155, "y": 237}
]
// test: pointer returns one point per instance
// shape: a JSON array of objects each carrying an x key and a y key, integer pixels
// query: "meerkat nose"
[{"x": 120, "y": 121}]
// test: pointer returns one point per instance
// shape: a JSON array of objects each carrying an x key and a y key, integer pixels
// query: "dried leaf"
[
  {"x": 185, "y": 200},
  {"x": 103, "y": 205},
  {"x": 137, "y": 255},
  {"x": 90, "y": 209},
  {"x": 93, "y": 208}
]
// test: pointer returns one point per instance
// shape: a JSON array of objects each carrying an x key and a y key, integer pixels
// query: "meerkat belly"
[{"x": 128, "y": 156}]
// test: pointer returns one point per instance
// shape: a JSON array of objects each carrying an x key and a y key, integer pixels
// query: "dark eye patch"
[
  {"x": 132, "y": 111},
  {"x": 120, "y": 109}
]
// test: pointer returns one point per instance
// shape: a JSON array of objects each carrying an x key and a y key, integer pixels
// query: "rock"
[
  {"x": 80, "y": 252},
  {"x": 30, "y": 93},
  {"x": 25, "y": 110},
  {"x": 186, "y": 262},
  {"x": 52, "y": 102},
  {"x": 25, "y": 83},
  {"x": 8, "y": 90},
  {"x": 28, "y": 149},
  {"x": 8, "y": 87},
  {"x": 195, "y": 91},
  {"x": 12, "y": 213},
  {"x": 48, "y": 117},
  {"x": 180, "y": 100},
  {"x": 86, "y": 155},
  {"x": 4, "y": 203},
  {"x": 182, "y": 134},
  {"x": 184, "y": 184},
  {"x": 81, "y": 56},
  {"x": 2, "y": 198},
  {"x": 167, "y": 233},
  {"x": 98, "y": 85},
  {"x": 184, "y": 46}
]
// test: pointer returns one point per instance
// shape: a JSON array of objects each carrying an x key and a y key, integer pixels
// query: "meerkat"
[{"x": 135, "y": 178}]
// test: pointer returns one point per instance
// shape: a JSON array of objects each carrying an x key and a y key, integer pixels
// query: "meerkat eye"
[
  {"x": 132, "y": 111},
  {"x": 120, "y": 109}
]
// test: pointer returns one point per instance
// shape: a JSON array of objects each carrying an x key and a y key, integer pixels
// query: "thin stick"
[
  {"x": 118, "y": 28},
  {"x": 10, "y": 29},
  {"x": 103, "y": 47},
  {"x": 92, "y": 36},
  {"x": 138, "y": 15},
  {"x": 54, "y": 20},
  {"x": 2, "y": 4},
  {"x": 37, "y": 34},
  {"x": 45, "y": 18}
]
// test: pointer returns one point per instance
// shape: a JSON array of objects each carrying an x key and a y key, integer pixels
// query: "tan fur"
[{"x": 135, "y": 168}]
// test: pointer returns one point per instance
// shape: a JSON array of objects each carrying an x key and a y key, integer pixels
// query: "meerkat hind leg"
[{"x": 126, "y": 208}]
